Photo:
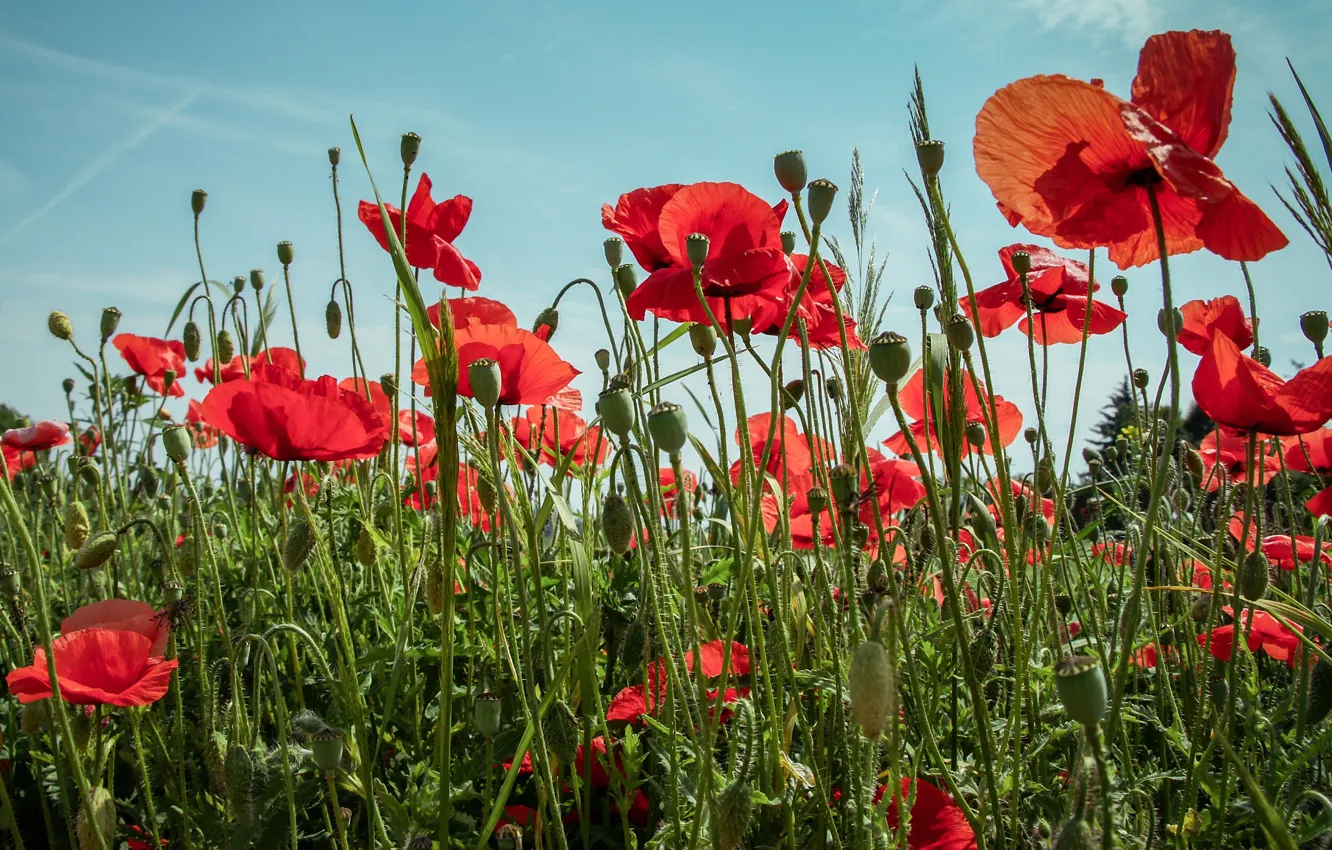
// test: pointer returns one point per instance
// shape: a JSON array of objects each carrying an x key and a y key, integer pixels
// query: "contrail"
[{"x": 105, "y": 161}]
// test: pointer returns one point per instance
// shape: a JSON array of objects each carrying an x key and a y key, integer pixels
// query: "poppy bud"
[
  {"x": 634, "y": 643},
  {"x": 703, "y": 338},
  {"x": 96, "y": 550},
  {"x": 616, "y": 407},
  {"x": 930, "y": 156},
  {"x": 1081, "y": 685},
  {"x": 842, "y": 478},
  {"x": 889, "y": 356},
  {"x": 614, "y": 250},
  {"x": 696, "y": 249},
  {"x": 742, "y": 325},
  {"x": 198, "y": 198},
  {"x": 1220, "y": 693},
  {"x": 735, "y": 811},
  {"x": 1021, "y": 261},
  {"x": 1075, "y": 834},
  {"x": 168, "y": 381},
  {"x": 1141, "y": 378},
  {"x": 548, "y": 318},
  {"x": 485, "y": 491},
  {"x": 617, "y": 523},
  {"x": 434, "y": 588},
  {"x": 1315, "y": 327},
  {"x": 1090, "y": 454},
  {"x": 409, "y": 148},
  {"x": 9, "y": 581},
  {"x": 960, "y": 333},
  {"x": 561, "y": 728},
  {"x": 326, "y": 748},
  {"x": 257, "y": 279},
  {"x": 1119, "y": 285},
  {"x": 1045, "y": 475},
  {"x": 626, "y": 279},
  {"x": 486, "y": 714},
  {"x": 1320, "y": 692},
  {"x": 110, "y": 321},
  {"x": 100, "y": 809},
  {"x": 389, "y": 384},
  {"x": 603, "y": 358},
  {"x": 334, "y": 156},
  {"x": 818, "y": 500},
  {"x": 976, "y": 434},
  {"x": 792, "y": 393},
  {"x": 1253, "y": 576},
  {"x": 1164, "y": 322},
  {"x": 924, "y": 297},
  {"x": 59, "y": 325},
  {"x": 484, "y": 376},
  {"x": 299, "y": 542},
  {"x": 225, "y": 347},
  {"x": 788, "y": 242},
  {"x": 1031, "y": 435},
  {"x": 1262, "y": 355},
  {"x": 333, "y": 318},
  {"x": 666, "y": 422},
  {"x": 820, "y": 194},
  {"x": 68, "y": 386},
  {"x": 177, "y": 441},
  {"x": 870, "y": 682},
  {"x": 32, "y": 717},
  {"x": 238, "y": 284},
  {"x": 91, "y": 473},
  {"x": 191, "y": 340},
  {"x": 789, "y": 166},
  {"x": 1193, "y": 462},
  {"x": 285, "y": 253},
  {"x": 833, "y": 385}
]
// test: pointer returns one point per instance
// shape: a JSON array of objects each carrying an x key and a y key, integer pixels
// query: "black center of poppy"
[{"x": 1144, "y": 177}]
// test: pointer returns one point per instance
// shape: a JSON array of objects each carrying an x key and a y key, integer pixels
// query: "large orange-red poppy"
[
  {"x": 234, "y": 369},
  {"x": 530, "y": 370},
  {"x": 1069, "y": 160},
  {"x": 431, "y": 231},
  {"x": 97, "y": 666},
  {"x": 923, "y": 428},
  {"x": 937, "y": 823},
  {"x": 153, "y": 358},
  {"x": 475, "y": 311},
  {"x": 816, "y": 308},
  {"x": 122, "y": 615},
  {"x": 38, "y": 437},
  {"x": 561, "y": 431},
  {"x": 1059, "y": 290},
  {"x": 1312, "y": 453},
  {"x": 1205, "y": 319},
  {"x": 792, "y": 453},
  {"x": 1243, "y": 395},
  {"x": 1226, "y": 459}
]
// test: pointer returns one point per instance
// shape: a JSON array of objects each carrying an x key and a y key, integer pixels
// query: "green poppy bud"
[
  {"x": 1081, "y": 685},
  {"x": 60, "y": 326},
  {"x": 833, "y": 386},
  {"x": 617, "y": 523},
  {"x": 225, "y": 348},
  {"x": 334, "y": 156},
  {"x": 176, "y": 440},
  {"x": 788, "y": 242},
  {"x": 76, "y": 525},
  {"x": 735, "y": 812},
  {"x": 789, "y": 167},
  {"x": 703, "y": 338},
  {"x": 32, "y": 717},
  {"x": 547, "y": 318},
  {"x": 1045, "y": 475},
  {"x": 930, "y": 156},
  {"x": 603, "y": 358},
  {"x": 483, "y": 374},
  {"x": 818, "y": 500},
  {"x": 634, "y": 642},
  {"x": 191, "y": 339},
  {"x": 626, "y": 279},
  {"x": 486, "y": 492},
  {"x": 326, "y": 747},
  {"x": 110, "y": 321},
  {"x": 617, "y": 410},
  {"x": 870, "y": 682},
  {"x": 257, "y": 279},
  {"x": 1262, "y": 355},
  {"x": 614, "y": 250},
  {"x": 1254, "y": 576},
  {"x": 168, "y": 381},
  {"x": 1193, "y": 463},
  {"x": 486, "y": 714},
  {"x": 792, "y": 393},
  {"x": 10, "y": 582},
  {"x": 299, "y": 542},
  {"x": 1320, "y": 692},
  {"x": 820, "y": 194},
  {"x": 1119, "y": 285},
  {"x": 976, "y": 434},
  {"x": 890, "y": 357},
  {"x": 1220, "y": 693},
  {"x": 198, "y": 198},
  {"x": 696, "y": 249},
  {"x": 562, "y": 734},
  {"x": 285, "y": 253},
  {"x": 333, "y": 318},
  {"x": 1021, "y": 261},
  {"x": 100, "y": 809},
  {"x": 96, "y": 550},
  {"x": 1075, "y": 834},
  {"x": 68, "y": 386},
  {"x": 1314, "y": 325},
  {"x": 409, "y": 148},
  {"x": 666, "y": 422},
  {"x": 91, "y": 472},
  {"x": 844, "y": 481},
  {"x": 923, "y": 297},
  {"x": 1090, "y": 455},
  {"x": 960, "y": 333}
]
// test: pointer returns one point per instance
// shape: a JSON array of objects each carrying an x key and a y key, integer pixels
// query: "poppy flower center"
[{"x": 1144, "y": 177}]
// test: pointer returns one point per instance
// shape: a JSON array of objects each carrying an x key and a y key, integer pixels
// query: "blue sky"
[{"x": 541, "y": 112}]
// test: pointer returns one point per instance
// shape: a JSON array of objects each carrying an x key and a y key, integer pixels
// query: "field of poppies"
[{"x": 457, "y": 605}]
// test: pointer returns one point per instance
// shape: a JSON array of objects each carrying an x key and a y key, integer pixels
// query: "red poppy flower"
[
  {"x": 287, "y": 418},
  {"x": 669, "y": 492},
  {"x": 912, "y": 398},
  {"x": 470, "y": 506},
  {"x": 792, "y": 452},
  {"x": 1115, "y": 554},
  {"x": 937, "y": 823},
  {"x": 37, "y": 437},
  {"x": 632, "y": 702},
  {"x": 1059, "y": 289},
  {"x": 140, "y": 839},
  {"x": 530, "y": 370},
  {"x": 310, "y": 484},
  {"x": 419, "y": 429},
  {"x": 152, "y": 358},
  {"x": 120, "y": 615},
  {"x": 745, "y": 267},
  {"x": 1243, "y": 395},
  {"x": 90, "y": 441},
  {"x": 1278, "y": 549},
  {"x": 1205, "y": 319},
  {"x": 97, "y": 666},
  {"x": 1019, "y": 491},
  {"x": 1073, "y": 162},
  {"x": 1226, "y": 459},
  {"x": 205, "y": 435},
  {"x": 560, "y": 431},
  {"x": 474, "y": 311},
  {"x": 373, "y": 392},
  {"x": 1312, "y": 453},
  {"x": 895, "y": 485},
  {"x": 1149, "y": 656},
  {"x": 431, "y": 231},
  {"x": 17, "y": 460},
  {"x": 525, "y": 816},
  {"x": 234, "y": 369},
  {"x": 816, "y": 308},
  {"x": 1267, "y": 634}
]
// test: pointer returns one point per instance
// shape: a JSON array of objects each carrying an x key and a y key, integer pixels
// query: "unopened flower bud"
[
  {"x": 1141, "y": 378},
  {"x": 890, "y": 357},
  {"x": 486, "y": 714},
  {"x": 1090, "y": 454},
  {"x": 168, "y": 381},
  {"x": 257, "y": 279},
  {"x": 626, "y": 279},
  {"x": 1315, "y": 327},
  {"x": 703, "y": 338},
  {"x": 696, "y": 249},
  {"x": 603, "y": 358},
  {"x": 1262, "y": 355},
  {"x": 923, "y": 297},
  {"x": 792, "y": 393},
  {"x": 617, "y": 410},
  {"x": 833, "y": 386},
  {"x": 788, "y": 242},
  {"x": 547, "y": 318},
  {"x": 960, "y": 333},
  {"x": 617, "y": 523},
  {"x": 60, "y": 326},
  {"x": 176, "y": 440},
  {"x": 1193, "y": 463},
  {"x": 409, "y": 148},
  {"x": 334, "y": 156},
  {"x": 820, "y": 194},
  {"x": 225, "y": 348},
  {"x": 110, "y": 321},
  {"x": 1021, "y": 261},
  {"x": 483, "y": 375},
  {"x": 1031, "y": 435},
  {"x": 790, "y": 170},
  {"x": 1119, "y": 285},
  {"x": 669, "y": 429},
  {"x": 198, "y": 198},
  {"x": 285, "y": 253},
  {"x": 96, "y": 550},
  {"x": 68, "y": 386},
  {"x": 76, "y": 525},
  {"x": 930, "y": 156},
  {"x": 1254, "y": 576}
]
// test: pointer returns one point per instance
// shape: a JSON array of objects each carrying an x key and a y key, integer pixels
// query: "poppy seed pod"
[
  {"x": 614, "y": 250},
  {"x": 889, "y": 356},
  {"x": 1119, "y": 285},
  {"x": 334, "y": 156},
  {"x": 930, "y": 156},
  {"x": 961, "y": 335},
  {"x": 1141, "y": 378},
  {"x": 870, "y": 682},
  {"x": 59, "y": 325},
  {"x": 549, "y": 318},
  {"x": 1262, "y": 355},
  {"x": 1021, "y": 261},
  {"x": 792, "y": 393},
  {"x": 1254, "y": 576},
  {"x": 976, "y": 434},
  {"x": 1031, "y": 435},
  {"x": 704, "y": 339},
  {"x": 669, "y": 429},
  {"x": 198, "y": 199},
  {"x": 168, "y": 381},
  {"x": 484, "y": 376},
  {"x": 326, "y": 747},
  {"x": 817, "y": 497},
  {"x": 626, "y": 279},
  {"x": 409, "y": 148},
  {"x": 1090, "y": 454},
  {"x": 333, "y": 318},
  {"x": 238, "y": 284},
  {"x": 1081, "y": 685},
  {"x": 789, "y": 166},
  {"x": 616, "y": 407},
  {"x": 820, "y": 194},
  {"x": 176, "y": 439},
  {"x": 696, "y": 249},
  {"x": 923, "y": 297},
  {"x": 110, "y": 321},
  {"x": 1314, "y": 325},
  {"x": 68, "y": 386},
  {"x": 617, "y": 523},
  {"x": 486, "y": 714},
  {"x": 742, "y": 325},
  {"x": 842, "y": 479},
  {"x": 285, "y": 253},
  {"x": 96, "y": 550},
  {"x": 192, "y": 340},
  {"x": 389, "y": 384},
  {"x": 1169, "y": 329},
  {"x": 788, "y": 242},
  {"x": 603, "y": 358},
  {"x": 257, "y": 279}
]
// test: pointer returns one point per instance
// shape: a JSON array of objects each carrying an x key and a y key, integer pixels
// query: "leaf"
[
  {"x": 185, "y": 299},
  {"x": 670, "y": 338}
]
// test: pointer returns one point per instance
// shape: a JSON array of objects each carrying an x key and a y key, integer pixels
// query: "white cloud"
[{"x": 1131, "y": 20}]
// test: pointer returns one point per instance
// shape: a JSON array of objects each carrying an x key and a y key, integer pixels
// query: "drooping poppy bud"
[
  {"x": 820, "y": 194},
  {"x": 930, "y": 156},
  {"x": 870, "y": 682},
  {"x": 890, "y": 356},
  {"x": 299, "y": 542},
  {"x": 616, "y": 408},
  {"x": 76, "y": 524},
  {"x": 1254, "y": 576},
  {"x": 1074, "y": 834},
  {"x": 562, "y": 734},
  {"x": 789, "y": 166},
  {"x": 792, "y": 393},
  {"x": 614, "y": 250},
  {"x": 100, "y": 808},
  {"x": 96, "y": 550},
  {"x": 333, "y": 318},
  {"x": 226, "y": 347},
  {"x": 1081, "y": 686},
  {"x": 833, "y": 385},
  {"x": 547, "y": 318},
  {"x": 923, "y": 297},
  {"x": 191, "y": 340},
  {"x": 634, "y": 643},
  {"x": 110, "y": 321},
  {"x": 735, "y": 811},
  {"x": 285, "y": 253},
  {"x": 60, "y": 326},
  {"x": 484, "y": 376},
  {"x": 617, "y": 523},
  {"x": 198, "y": 198},
  {"x": 669, "y": 428},
  {"x": 409, "y": 148}
]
